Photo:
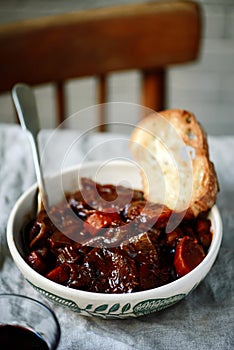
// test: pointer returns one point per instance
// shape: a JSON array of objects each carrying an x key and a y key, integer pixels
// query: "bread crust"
[
  {"x": 173, "y": 127},
  {"x": 188, "y": 128}
]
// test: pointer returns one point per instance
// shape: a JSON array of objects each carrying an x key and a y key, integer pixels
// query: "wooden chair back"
[{"x": 147, "y": 37}]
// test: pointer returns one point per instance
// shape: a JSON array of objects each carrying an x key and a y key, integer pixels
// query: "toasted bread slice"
[{"x": 171, "y": 148}]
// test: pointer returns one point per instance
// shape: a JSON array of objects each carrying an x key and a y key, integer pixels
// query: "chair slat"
[
  {"x": 153, "y": 89},
  {"x": 102, "y": 99},
  {"x": 60, "y": 101}
]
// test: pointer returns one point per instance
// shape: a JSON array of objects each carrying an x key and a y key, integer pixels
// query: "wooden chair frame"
[{"x": 148, "y": 37}]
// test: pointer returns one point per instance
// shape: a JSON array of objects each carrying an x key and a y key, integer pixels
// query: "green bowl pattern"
[{"x": 116, "y": 310}]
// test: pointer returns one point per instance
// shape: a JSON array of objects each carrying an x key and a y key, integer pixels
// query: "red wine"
[{"x": 20, "y": 338}]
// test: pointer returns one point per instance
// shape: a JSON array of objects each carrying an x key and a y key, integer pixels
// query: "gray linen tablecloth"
[{"x": 203, "y": 320}]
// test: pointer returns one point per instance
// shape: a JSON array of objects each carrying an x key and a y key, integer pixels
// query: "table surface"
[{"x": 203, "y": 320}]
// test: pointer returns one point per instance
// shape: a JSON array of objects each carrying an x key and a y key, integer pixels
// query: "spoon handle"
[{"x": 26, "y": 108}]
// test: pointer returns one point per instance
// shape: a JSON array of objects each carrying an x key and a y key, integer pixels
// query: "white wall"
[{"x": 205, "y": 87}]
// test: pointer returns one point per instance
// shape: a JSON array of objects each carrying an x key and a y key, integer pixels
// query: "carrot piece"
[
  {"x": 99, "y": 220},
  {"x": 188, "y": 255},
  {"x": 59, "y": 274}
]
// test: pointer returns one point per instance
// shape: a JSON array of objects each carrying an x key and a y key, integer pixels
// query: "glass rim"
[{"x": 42, "y": 305}]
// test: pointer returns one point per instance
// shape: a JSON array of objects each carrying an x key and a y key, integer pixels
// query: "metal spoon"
[{"x": 25, "y": 104}]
